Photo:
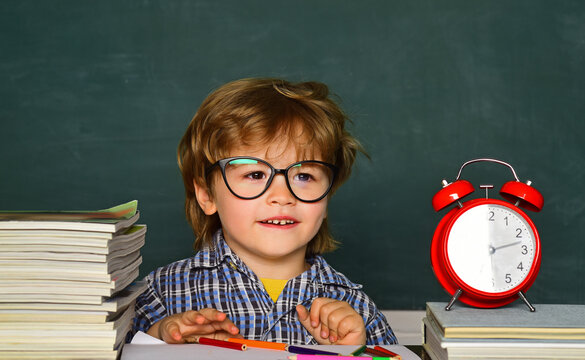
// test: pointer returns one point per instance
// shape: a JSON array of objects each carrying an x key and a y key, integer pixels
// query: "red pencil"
[
  {"x": 375, "y": 352},
  {"x": 221, "y": 343},
  {"x": 387, "y": 352}
]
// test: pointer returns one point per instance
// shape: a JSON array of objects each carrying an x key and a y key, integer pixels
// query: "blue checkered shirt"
[{"x": 216, "y": 278}]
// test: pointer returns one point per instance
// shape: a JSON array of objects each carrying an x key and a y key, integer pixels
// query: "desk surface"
[{"x": 196, "y": 351}]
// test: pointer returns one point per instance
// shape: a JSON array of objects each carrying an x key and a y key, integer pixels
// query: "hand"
[
  {"x": 333, "y": 322},
  {"x": 189, "y": 325}
]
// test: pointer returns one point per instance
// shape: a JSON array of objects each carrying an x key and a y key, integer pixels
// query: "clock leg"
[
  {"x": 523, "y": 297},
  {"x": 453, "y": 299}
]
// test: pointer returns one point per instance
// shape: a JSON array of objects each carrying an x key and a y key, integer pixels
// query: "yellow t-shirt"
[{"x": 274, "y": 287}]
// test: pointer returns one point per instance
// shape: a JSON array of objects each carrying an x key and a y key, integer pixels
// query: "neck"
[
  {"x": 283, "y": 267},
  {"x": 279, "y": 269}
]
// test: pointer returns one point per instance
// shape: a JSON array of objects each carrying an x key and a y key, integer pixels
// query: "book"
[
  {"x": 69, "y": 240},
  {"x": 109, "y": 322},
  {"x": 79, "y": 320},
  {"x": 514, "y": 321},
  {"x": 117, "y": 279},
  {"x": 12, "y": 286},
  {"x": 108, "y": 220},
  {"x": 95, "y": 335},
  {"x": 81, "y": 287},
  {"x": 67, "y": 280},
  {"x": 122, "y": 211},
  {"x": 67, "y": 334},
  {"x": 71, "y": 249},
  {"x": 64, "y": 315},
  {"x": 109, "y": 305},
  {"x": 439, "y": 347},
  {"x": 23, "y": 265}
]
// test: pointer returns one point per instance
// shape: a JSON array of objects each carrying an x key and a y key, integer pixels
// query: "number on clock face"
[{"x": 491, "y": 248}]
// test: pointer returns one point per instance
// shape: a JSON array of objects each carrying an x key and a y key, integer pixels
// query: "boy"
[{"x": 259, "y": 161}]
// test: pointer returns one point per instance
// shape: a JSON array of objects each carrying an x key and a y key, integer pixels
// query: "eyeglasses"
[{"x": 248, "y": 177}]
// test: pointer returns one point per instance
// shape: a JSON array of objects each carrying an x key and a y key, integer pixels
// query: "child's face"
[{"x": 262, "y": 245}]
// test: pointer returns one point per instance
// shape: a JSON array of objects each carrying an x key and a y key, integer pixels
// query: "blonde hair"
[{"x": 254, "y": 112}]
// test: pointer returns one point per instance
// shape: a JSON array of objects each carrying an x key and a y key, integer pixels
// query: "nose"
[{"x": 278, "y": 192}]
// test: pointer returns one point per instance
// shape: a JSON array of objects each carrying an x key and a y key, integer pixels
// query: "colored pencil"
[
  {"x": 260, "y": 344},
  {"x": 308, "y": 351},
  {"x": 359, "y": 351},
  {"x": 375, "y": 352},
  {"x": 221, "y": 343},
  {"x": 322, "y": 357},
  {"x": 388, "y": 352},
  {"x": 331, "y": 357}
]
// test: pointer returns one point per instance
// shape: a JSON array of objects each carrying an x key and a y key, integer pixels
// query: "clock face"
[{"x": 491, "y": 248}]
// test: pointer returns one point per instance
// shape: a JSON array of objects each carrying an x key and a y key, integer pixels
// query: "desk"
[{"x": 196, "y": 351}]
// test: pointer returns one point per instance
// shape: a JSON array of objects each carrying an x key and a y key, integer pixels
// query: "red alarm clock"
[{"x": 486, "y": 252}]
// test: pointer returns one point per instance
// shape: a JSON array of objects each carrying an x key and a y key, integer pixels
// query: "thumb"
[{"x": 171, "y": 333}]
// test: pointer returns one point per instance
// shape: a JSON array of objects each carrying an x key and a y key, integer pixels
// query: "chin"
[{"x": 278, "y": 251}]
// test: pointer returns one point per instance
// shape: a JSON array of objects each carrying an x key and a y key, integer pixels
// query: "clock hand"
[{"x": 493, "y": 249}]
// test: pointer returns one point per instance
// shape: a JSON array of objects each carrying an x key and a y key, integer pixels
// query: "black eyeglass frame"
[{"x": 223, "y": 162}]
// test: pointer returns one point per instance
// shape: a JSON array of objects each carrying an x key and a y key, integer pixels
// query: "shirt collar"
[
  {"x": 218, "y": 252},
  {"x": 321, "y": 272},
  {"x": 213, "y": 254}
]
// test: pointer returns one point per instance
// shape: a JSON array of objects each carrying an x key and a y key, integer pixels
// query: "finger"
[
  {"x": 226, "y": 325},
  {"x": 206, "y": 316},
  {"x": 333, "y": 315},
  {"x": 208, "y": 321},
  {"x": 305, "y": 320},
  {"x": 303, "y": 314},
  {"x": 316, "y": 310},
  {"x": 223, "y": 335},
  {"x": 170, "y": 333},
  {"x": 325, "y": 332},
  {"x": 190, "y": 317},
  {"x": 203, "y": 316},
  {"x": 213, "y": 314},
  {"x": 346, "y": 325},
  {"x": 351, "y": 323}
]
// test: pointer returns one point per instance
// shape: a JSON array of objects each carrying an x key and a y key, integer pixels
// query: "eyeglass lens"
[{"x": 248, "y": 178}]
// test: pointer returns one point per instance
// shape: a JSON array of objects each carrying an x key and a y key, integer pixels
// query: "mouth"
[{"x": 280, "y": 222}]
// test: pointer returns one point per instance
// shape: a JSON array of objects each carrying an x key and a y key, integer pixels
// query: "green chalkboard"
[{"x": 95, "y": 96}]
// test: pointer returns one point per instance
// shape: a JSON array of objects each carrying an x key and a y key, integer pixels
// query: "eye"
[
  {"x": 303, "y": 177},
  {"x": 255, "y": 175}
]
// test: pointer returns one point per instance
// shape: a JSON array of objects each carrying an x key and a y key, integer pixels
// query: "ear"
[{"x": 204, "y": 199}]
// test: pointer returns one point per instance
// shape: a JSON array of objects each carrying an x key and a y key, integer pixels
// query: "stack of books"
[
  {"x": 554, "y": 331},
  {"x": 67, "y": 282}
]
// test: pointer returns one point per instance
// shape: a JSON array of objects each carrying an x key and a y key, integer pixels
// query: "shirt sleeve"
[
  {"x": 149, "y": 306},
  {"x": 378, "y": 332}
]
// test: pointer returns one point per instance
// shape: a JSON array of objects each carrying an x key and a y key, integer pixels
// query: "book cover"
[
  {"x": 108, "y": 220},
  {"x": 122, "y": 211},
  {"x": 514, "y": 321}
]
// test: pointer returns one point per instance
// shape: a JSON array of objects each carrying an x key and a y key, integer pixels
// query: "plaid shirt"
[{"x": 217, "y": 278}]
